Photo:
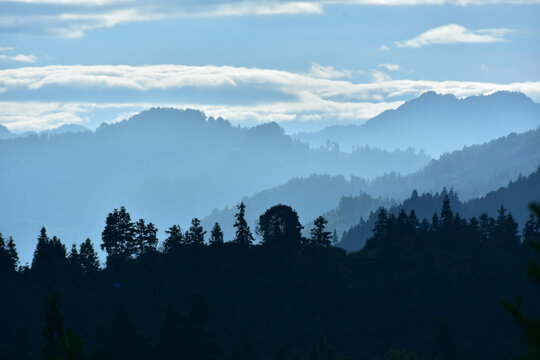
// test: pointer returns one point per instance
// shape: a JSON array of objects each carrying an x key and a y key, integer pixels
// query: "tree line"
[{"x": 420, "y": 289}]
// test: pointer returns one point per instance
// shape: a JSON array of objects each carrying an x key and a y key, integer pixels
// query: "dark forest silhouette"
[{"x": 430, "y": 288}]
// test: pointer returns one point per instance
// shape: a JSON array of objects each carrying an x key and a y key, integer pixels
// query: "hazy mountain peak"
[
  {"x": 66, "y": 128},
  {"x": 437, "y": 123},
  {"x": 272, "y": 128},
  {"x": 161, "y": 119}
]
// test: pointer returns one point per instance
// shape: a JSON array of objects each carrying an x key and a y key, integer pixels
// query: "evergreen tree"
[
  {"x": 43, "y": 241},
  {"x": 381, "y": 225},
  {"x": 118, "y": 234},
  {"x": 12, "y": 252},
  {"x": 447, "y": 216},
  {"x": 216, "y": 235},
  {"x": 505, "y": 232},
  {"x": 195, "y": 236},
  {"x": 145, "y": 239},
  {"x": 413, "y": 220},
  {"x": 487, "y": 226},
  {"x": 74, "y": 258},
  {"x": 8, "y": 255},
  {"x": 435, "y": 222},
  {"x": 320, "y": 238},
  {"x": 50, "y": 254},
  {"x": 243, "y": 233},
  {"x": 380, "y": 230},
  {"x": 174, "y": 240},
  {"x": 88, "y": 257},
  {"x": 151, "y": 239}
]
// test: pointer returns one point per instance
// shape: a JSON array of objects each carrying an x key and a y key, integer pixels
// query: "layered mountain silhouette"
[
  {"x": 436, "y": 123},
  {"x": 310, "y": 196},
  {"x": 471, "y": 172},
  {"x": 5, "y": 133},
  {"x": 515, "y": 197},
  {"x": 165, "y": 165},
  {"x": 63, "y": 129},
  {"x": 169, "y": 165}
]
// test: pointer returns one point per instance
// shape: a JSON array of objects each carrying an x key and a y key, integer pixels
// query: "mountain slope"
[
  {"x": 310, "y": 196},
  {"x": 516, "y": 197},
  {"x": 437, "y": 123},
  {"x": 164, "y": 165},
  {"x": 471, "y": 172}
]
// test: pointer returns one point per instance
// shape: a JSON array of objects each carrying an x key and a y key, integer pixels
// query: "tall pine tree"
[{"x": 243, "y": 233}]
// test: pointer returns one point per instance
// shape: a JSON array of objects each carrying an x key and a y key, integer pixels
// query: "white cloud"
[
  {"x": 37, "y": 116},
  {"x": 5, "y": 48},
  {"x": 24, "y": 58},
  {"x": 152, "y": 77},
  {"x": 20, "y": 58},
  {"x": 90, "y": 15},
  {"x": 390, "y": 67},
  {"x": 379, "y": 76},
  {"x": 73, "y": 18},
  {"x": 433, "y": 2},
  {"x": 219, "y": 2},
  {"x": 327, "y": 72},
  {"x": 309, "y": 97},
  {"x": 452, "y": 34},
  {"x": 383, "y": 48}
]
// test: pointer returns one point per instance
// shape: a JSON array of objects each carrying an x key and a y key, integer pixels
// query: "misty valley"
[{"x": 176, "y": 235}]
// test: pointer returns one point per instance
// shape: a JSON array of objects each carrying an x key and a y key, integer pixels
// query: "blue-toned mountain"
[{"x": 437, "y": 123}]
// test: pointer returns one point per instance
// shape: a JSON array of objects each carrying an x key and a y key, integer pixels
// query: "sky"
[{"x": 304, "y": 64}]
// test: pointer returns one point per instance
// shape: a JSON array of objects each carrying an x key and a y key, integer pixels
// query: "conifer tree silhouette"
[
  {"x": 244, "y": 237},
  {"x": 216, "y": 235}
]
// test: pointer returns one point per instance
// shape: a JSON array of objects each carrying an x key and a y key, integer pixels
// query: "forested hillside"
[
  {"x": 470, "y": 172},
  {"x": 162, "y": 163},
  {"x": 515, "y": 197},
  {"x": 419, "y": 290},
  {"x": 312, "y": 196}
]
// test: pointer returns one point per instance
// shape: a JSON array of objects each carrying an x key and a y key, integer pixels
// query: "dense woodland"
[
  {"x": 515, "y": 196},
  {"x": 420, "y": 289}
]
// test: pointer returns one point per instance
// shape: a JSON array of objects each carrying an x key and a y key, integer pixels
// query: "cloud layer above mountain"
[{"x": 323, "y": 92}]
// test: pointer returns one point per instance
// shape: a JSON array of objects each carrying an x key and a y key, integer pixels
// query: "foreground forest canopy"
[{"x": 420, "y": 289}]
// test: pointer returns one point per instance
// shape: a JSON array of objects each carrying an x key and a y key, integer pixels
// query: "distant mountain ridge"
[
  {"x": 471, "y": 172},
  {"x": 166, "y": 165},
  {"x": 5, "y": 133},
  {"x": 311, "y": 197},
  {"x": 515, "y": 197},
  {"x": 437, "y": 123}
]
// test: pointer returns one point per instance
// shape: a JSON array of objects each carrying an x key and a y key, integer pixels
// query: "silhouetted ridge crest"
[{"x": 437, "y": 123}]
